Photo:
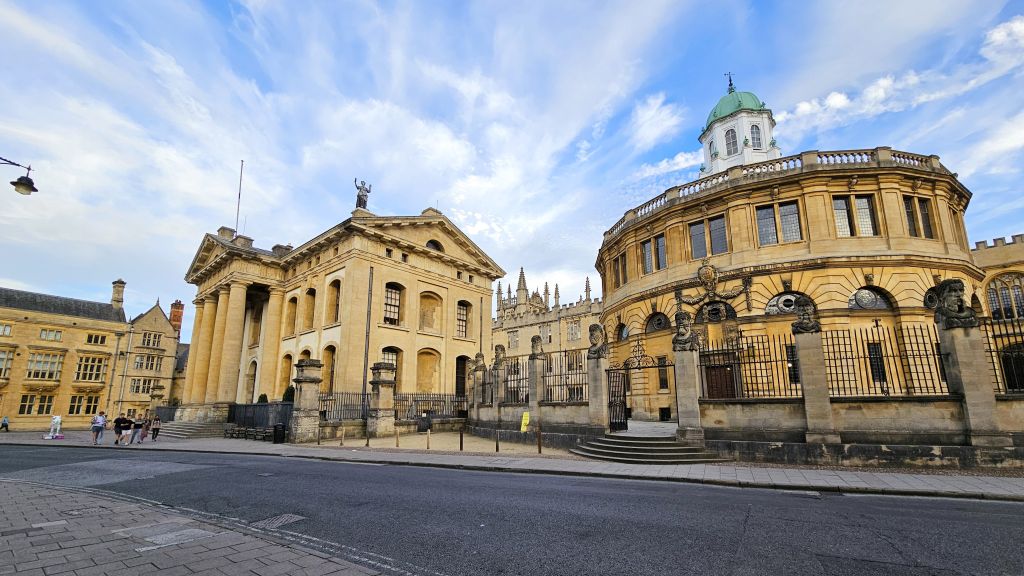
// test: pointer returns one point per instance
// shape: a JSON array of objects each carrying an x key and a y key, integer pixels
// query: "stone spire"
[
  {"x": 556, "y": 296},
  {"x": 500, "y": 302},
  {"x": 522, "y": 293},
  {"x": 547, "y": 296},
  {"x": 586, "y": 288}
]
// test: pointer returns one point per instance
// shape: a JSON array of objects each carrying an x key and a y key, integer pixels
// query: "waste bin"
[
  {"x": 423, "y": 423},
  {"x": 279, "y": 433}
]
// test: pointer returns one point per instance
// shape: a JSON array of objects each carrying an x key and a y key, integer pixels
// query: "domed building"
[{"x": 852, "y": 240}]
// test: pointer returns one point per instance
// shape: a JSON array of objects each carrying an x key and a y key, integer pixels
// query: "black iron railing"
[
  {"x": 759, "y": 366},
  {"x": 260, "y": 415},
  {"x": 566, "y": 377},
  {"x": 1005, "y": 347},
  {"x": 411, "y": 406},
  {"x": 337, "y": 406},
  {"x": 884, "y": 361},
  {"x": 517, "y": 380}
]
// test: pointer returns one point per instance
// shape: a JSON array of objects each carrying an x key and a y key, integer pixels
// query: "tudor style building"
[
  {"x": 411, "y": 290},
  {"x": 864, "y": 234}
]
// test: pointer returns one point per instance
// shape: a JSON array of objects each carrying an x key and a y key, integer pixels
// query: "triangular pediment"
[{"x": 209, "y": 250}]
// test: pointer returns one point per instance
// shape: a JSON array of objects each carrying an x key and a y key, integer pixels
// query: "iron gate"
[
  {"x": 650, "y": 373},
  {"x": 617, "y": 400}
]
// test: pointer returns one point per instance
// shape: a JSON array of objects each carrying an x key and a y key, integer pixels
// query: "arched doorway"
[
  {"x": 250, "y": 383},
  {"x": 460, "y": 375}
]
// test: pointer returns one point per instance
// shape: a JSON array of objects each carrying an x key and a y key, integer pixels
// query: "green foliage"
[
  {"x": 262, "y": 399},
  {"x": 289, "y": 394}
]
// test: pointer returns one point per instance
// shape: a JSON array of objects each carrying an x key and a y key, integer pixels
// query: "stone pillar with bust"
[
  {"x": 686, "y": 357},
  {"x": 231, "y": 350},
  {"x": 380, "y": 421},
  {"x": 305, "y": 423},
  {"x": 968, "y": 372},
  {"x": 537, "y": 370},
  {"x": 821, "y": 427},
  {"x": 597, "y": 368}
]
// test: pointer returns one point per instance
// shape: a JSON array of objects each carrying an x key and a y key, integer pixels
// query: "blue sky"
[{"x": 532, "y": 125}]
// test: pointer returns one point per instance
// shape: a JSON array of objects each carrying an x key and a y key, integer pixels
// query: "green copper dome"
[{"x": 734, "y": 102}]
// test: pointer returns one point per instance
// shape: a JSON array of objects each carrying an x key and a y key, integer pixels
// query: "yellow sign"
[{"x": 526, "y": 422}]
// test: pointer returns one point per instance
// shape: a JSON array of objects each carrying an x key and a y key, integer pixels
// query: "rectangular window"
[
  {"x": 844, "y": 218},
  {"x": 77, "y": 403},
  {"x": 131, "y": 412},
  {"x": 5, "y": 329},
  {"x": 573, "y": 330},
  {"x": 389, "y": 356},
  {"x": 389, "y": 252},
  {"x": 654, "y": 255},
  {"x": 50, "y": 335},
  {"x": 615, "y": 272},
  {"x": 925, "y": 210},
  {"x": 392, "y": 304},
  {"x": 151, "y": 339},
  {"x": 876, "y": 362},
  {"x": 461, "y": 320},
  {"x": 148, "y": 362},
  {"x": 647, "y": 251},
  {"x": 865, "y": 216},
  {"x": 698, "y": 243},
  {"x": 908, "y": 209},
  {"x": 513, "y": 339},
  {"x": 143, "y": 385},
  {"x": 662, "y": 373},
  {"x": 92, "y": 404},
  {"x": 6, "y": 357},
  {"x": 91, "y": 369},
  {"x": 622, "y": 267},
  {"x": 766, "y": 233},
  {"x": 789, "y": 218},
  {"x": 545, "y": 333},
  {"x": 660, "y": 252},
  {"x": 857, "y": 218},
  {"x": 96, "y": 339},
  {"x": 719, "y": 239},
  {"x": 45, "y": 404},
  {"x": 792, "y": 364},
  {"x": 44, "y": 366},
  {"x": 27, "y": 401}
]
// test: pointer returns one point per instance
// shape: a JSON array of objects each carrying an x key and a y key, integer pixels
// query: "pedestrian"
[
  {"x": 145, "y": 430},
  {"x": 137, "y": 425},
  {"x": 5, "y": 424},
  {"x": 120, "y": 425},
  {"x": 99, "y": 422},
  {"x": 155, "y": 427}
]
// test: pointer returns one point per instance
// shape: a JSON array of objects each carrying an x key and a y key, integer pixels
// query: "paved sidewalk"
[
  {"x": 45, "y": 530},
  {"x": 445, "y": 455}
]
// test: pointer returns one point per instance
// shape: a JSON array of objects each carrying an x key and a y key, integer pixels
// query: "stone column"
[
  {"x": 538, "y": 368},
  {"x": 817, "y": 406},
  {"x": 381, "y": 419},
  {"x": 217, "y": 345},
  {"x": 231, "y": 352},
  {"x": 202, "y": 351},
  {"x": 190, "y": 369},
  {"x": 269, "y": 354},
  {"x": 687, "y": 378},
  {"x": 305, "y": 424},
  {"x": 597, "y": 367},
  {"x": 968, "y": 373}
]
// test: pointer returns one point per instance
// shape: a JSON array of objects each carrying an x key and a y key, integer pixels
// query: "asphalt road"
[{"x": 411, "y": 520}]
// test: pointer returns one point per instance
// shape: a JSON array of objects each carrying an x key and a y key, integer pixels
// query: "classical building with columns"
[{"x": 411, "y": 290}]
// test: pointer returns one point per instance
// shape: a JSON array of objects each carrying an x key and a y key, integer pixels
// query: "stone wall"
[
  {"x": 1010, "y": 416},
  {"x": 780, "y": 420},
  {"x": 903, "y": 420}
]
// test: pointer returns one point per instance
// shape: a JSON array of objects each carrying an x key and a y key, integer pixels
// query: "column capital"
[
  {"x": 199, "y": 301},
  {"x": 243, "y": 283},
  {"x": 275, "y": 290}
]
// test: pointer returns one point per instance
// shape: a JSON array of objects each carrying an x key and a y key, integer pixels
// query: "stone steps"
[
  {"x": 184, "y": 430},
  {"x": 644, "y": 450}
]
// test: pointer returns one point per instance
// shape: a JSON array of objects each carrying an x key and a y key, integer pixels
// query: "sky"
[{"x": 532, "y": 125}]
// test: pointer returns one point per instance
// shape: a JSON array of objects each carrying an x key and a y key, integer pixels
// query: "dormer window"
[
  {"x": 731, "y": 146},
  {"x": 755, "y": 136},
  {"x": 435, "y": 245}
]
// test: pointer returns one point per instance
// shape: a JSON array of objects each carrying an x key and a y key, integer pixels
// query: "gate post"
[
  {"x": 381, "y": 419},
  {"x": 811, "y": 358},
  {"x": 967, "y": 371},
  {"x": 537, "y": 370},
  {"x": 305, "y": 422},
  {"x": 687, "y": 379},
  {"x": 597, "y": 370}
]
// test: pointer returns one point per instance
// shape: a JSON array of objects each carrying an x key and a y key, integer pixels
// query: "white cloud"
[
  {"x": 681, "y": 161},
  {"x": 653, "y": 122}
]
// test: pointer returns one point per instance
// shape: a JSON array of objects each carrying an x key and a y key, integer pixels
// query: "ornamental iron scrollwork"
[{"x": 638, "y": 358}]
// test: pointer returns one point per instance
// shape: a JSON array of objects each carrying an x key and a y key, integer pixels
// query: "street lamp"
[{"x": 24, "y": 184}]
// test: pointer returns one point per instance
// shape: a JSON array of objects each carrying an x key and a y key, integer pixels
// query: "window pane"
[
  {"x": 993, "y": 304},
  {"x": 648, "y": 256},
  {"x": 698, "y": 246},
  {"x": 719, "y": 241},
  {"x": 790, "y": 217},
  {"x": 615, "y": 271},
  {"x": 876, "y": 361},
  {"x": 925, "y": 208},
  {"x": 659, "y": 252},
  {"x": 622, "y": 267},
  {"x": 755, "y": 136},
  {"x": 1018, "y": 299},
  {"x": 841, "y": 207},
  {"x": 1004, "y": 295},
  {"x": 730, "y": 142},
  {"x": 908, "y": 208},
  {"x": 865, "y": 216},
  {"x": 392, "y": 303},
  {"x": 766, "y": 233}
]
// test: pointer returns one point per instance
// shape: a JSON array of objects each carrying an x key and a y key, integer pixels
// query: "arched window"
[
  {"x": 255, "y": 321},
  {"x": 309, "y": 309},
  {"x": 730, "y": 142},
  {"x": 711, "y": 148},
  {"x": 394, "y": 293},
  {"x": 463, "y": 313},
  {"x": 393, "y": 355},
  {"x": 784, "y": 303},
  {"x": 622, "y": 333},
  {"x": 869, "y": 298},
  {"x": 1006, "y": 296},
  {"x": 431, "y": 312},
  {"x": 329, "y": 370},
  {"x": 250, "y": 382},
  {"x": 755, "y": 137},
  {"x": 435, "y": 245},
  {"x": 428, "y": 371},
  {"x": 657, "y": 322},
  {"x": 334, "y": 302},
  {"x": 289, "y": 315},
  {"x": 285, "y": 376}
]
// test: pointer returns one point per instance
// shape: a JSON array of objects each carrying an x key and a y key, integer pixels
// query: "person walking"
[
  {"x": 5, "y": 424},
  {"x": 145, "y": 429},
  {"x": 155, "y": 427},
  {"x": 120, "y": 425},
  {"x": 99, "y": 422},
  {"x": 136, "y": 430}
]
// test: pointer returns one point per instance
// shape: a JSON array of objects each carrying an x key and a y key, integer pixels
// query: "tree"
[
  {"x": 262, "y": 399},
  {"x": 289, "y": 394}
]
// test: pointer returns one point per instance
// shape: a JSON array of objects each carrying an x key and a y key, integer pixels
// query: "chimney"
[
  {"x": 177, "y": 313},
  {"x": 117, "y": 296},
  {"x": 225, "y": 232},
  {"x": 281, "y": 249},
  {"x": 242, "y": 241}
]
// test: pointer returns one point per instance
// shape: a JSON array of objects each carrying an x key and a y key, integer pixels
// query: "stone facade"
[
  {"x": 410, "y": 290},
  {"x": 74, "y": 358}
]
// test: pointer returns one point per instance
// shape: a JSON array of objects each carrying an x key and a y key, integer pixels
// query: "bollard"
[
  {"x": 539, "y": 437},
  {"x": 497, "y": 437},
  {"x": 428, "y": 438},
  {"x": 396, "y": 435},
  {"x": 342, "y": 436},
  {"x": 366, "y": 432},
  {"x": 461, "y": 431}
]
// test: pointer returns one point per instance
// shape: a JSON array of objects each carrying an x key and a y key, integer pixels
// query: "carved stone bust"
[
  {"x": 805, "y": 322},
  {"x": 684, "y": 337},
  {"x": 479, "y": 364},
  {"x": 499, "y": 356},
  {"x": 950, "y": 311},
  {"x": 536, "y": 349},
  {"x": 598, "y": 345}
]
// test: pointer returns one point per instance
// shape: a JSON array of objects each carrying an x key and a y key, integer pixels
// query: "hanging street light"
[{"x": 23, "y": 185}]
